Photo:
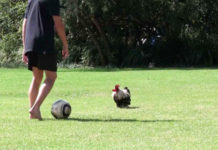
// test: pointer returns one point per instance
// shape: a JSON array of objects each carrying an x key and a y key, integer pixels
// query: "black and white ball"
[{"x": 61, "y": 109}]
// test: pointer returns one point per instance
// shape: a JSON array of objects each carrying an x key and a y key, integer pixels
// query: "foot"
[
  {"x": 32, "y": 117},
  {"x": 35, "y": 114}
]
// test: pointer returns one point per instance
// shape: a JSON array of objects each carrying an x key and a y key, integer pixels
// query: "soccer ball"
[{"x": 61, "y": 109}]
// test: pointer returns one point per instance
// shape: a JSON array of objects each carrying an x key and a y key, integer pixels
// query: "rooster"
[{"x": 121, "y": 96}]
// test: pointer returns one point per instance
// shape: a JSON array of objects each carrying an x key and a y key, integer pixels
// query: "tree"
[
  {"x": 127, "y": 32},
  {"x": 11, "y": 15}
]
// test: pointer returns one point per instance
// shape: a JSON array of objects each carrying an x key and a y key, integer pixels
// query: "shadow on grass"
[
  {"x": 119, "y": 120},
  {"x": 105, "y": 69},
  {"x": 110, "y": 120},
  {"x": 130, "y": 107}
]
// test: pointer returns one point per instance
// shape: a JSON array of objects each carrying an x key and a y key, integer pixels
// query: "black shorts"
[{"x": 42, "y": 62}]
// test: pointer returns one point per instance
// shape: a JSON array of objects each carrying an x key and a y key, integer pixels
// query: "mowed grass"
[{"x": 171, "y": 109}]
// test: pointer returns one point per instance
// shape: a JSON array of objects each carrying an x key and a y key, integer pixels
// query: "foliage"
[
  {"x": 11, "y": 15},
  {"x": 129, "y": 33}
]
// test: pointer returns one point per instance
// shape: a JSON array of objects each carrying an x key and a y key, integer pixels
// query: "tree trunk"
[
  {"x": 103, "y": 36},
  {"x": 94, "y": 40},
  {"x": 97, "y": 45}
]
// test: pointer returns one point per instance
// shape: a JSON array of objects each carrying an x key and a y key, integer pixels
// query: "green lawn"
[{"x": 172, "y": 109}]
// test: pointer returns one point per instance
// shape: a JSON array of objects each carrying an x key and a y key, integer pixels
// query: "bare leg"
[
  {"x": 43, "y": 92},
  {"x": 34, "y": 86}
]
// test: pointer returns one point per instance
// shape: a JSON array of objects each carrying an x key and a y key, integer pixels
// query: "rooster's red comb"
[{"x": 117, "y": 85}]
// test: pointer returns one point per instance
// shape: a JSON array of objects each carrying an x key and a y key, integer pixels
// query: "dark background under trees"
[{"x": 125, "y": 33}]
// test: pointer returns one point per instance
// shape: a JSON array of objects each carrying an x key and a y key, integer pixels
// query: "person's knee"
[
  {"x": 38, "y": 78},
  {"x": 51, "y": 78},
  {"x": 37, "y": 75}
]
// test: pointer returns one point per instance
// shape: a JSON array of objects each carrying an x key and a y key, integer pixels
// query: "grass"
[{"x": 172, "y": 109}]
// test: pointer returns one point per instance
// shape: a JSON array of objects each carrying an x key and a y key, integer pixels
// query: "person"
[{"x": 42, "y": 18}]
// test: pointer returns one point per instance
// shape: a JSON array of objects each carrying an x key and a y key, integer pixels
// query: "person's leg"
[
  {"x": 43, "y": 92},
  {"x": 34, "y": 86}
]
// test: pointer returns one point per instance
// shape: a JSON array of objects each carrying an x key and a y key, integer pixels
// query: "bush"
[
  {"x": 125, "y": 32},
  {"x": 11, "y": 17}
]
